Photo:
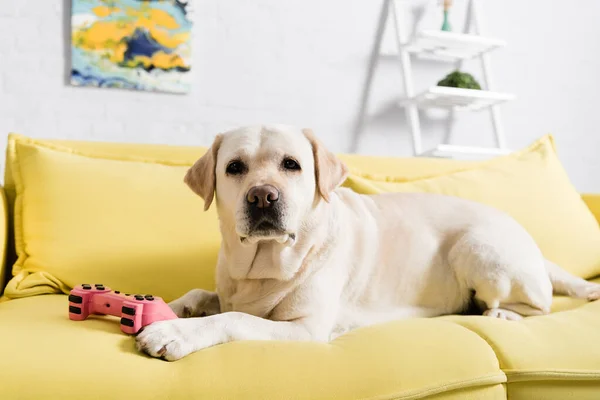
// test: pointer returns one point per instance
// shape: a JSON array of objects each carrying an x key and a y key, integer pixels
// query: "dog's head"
[{"x": 266, "y": 179}]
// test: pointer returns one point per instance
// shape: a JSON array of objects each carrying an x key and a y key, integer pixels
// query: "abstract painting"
[{"x": 131, "y": 44}]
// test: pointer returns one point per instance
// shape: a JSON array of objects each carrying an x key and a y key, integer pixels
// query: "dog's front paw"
[{"x": 170, "y": 340}]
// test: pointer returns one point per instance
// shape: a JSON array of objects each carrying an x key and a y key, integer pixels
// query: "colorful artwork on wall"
[{"x": 131, "y": 44}]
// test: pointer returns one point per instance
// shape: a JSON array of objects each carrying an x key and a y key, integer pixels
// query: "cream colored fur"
[{"x": 344, "y": 260}]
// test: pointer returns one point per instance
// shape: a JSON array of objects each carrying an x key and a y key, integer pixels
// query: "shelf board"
[
  {"x": 451, "y": 151},
  {"x": 448, "y": 46},
  {"x": 457, "y": 98}
]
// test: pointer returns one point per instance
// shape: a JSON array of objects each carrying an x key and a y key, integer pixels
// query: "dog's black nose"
[{"x": 262, "y": 196}]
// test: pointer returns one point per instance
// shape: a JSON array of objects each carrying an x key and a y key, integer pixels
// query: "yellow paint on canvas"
[
  {"x": 104, "y": 11},
  {"x": 158, "y": 60},
  {"x": 163, "y": 37},
  {"x": 166, "y": 61},
  {"x": 157, "y": 17},
  {"x": 162, "y": 18},
  {"x": 103, "y": 35},
  {"x": 107, "y": 34}
]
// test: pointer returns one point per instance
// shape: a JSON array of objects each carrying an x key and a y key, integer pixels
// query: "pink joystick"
[{"x": 136, "y": 311}]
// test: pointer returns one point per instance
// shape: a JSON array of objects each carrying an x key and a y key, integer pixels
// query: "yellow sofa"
[{"x": 120, "y": 214}]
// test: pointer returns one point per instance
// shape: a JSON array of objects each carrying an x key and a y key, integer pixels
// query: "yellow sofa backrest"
[{"x": 120, "y": 214}]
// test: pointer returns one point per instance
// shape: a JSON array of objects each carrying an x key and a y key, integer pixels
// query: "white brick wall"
[{"x": 303, "y": 62}]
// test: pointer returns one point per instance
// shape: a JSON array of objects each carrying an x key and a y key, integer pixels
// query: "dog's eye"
[
  {"x": 288, "y": 163},
  {"x": 235, "y": 168}
]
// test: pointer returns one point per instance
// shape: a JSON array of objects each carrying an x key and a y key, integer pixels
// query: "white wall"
[{"x": 303, "y": 62}]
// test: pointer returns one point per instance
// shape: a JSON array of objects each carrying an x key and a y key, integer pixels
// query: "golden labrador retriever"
[{"x": 302, "y": 259}]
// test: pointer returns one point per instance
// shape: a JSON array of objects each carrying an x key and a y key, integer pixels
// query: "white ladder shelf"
[{"x": 443, "y": 46}]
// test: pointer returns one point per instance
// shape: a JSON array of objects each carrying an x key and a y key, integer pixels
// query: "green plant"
[{"x": 460, "y": 80}]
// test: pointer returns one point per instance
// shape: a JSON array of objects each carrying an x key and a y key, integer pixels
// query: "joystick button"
[
  {"x": 74, "y": 310},
  {"x": 86, "y": 286},
  {"x": 139, "y": 297},
  {"x": 127, "y": 322},
  {"x": 149, "y": 297},
  {"x": 117, "y": 292},
  {"x": 128, "y": 310},
  {"x": 75, "y": 299},
  {"x": 99, "y": 287}
]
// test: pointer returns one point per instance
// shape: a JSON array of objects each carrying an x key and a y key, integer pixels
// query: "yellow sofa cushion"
[
  {"x": 132, "y": 224},
  {"x": 45, "y": 355},
  {"x": 402, "y": 169},
  {"x": 532, "y": 186},
  {"x": 3, "y": 237},
  {"x": 592, "y": 200}
]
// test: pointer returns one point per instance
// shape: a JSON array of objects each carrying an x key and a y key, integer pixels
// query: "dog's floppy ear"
[
  {"x": 201, "y": 177},
  {"x": 330, "y": 171}
]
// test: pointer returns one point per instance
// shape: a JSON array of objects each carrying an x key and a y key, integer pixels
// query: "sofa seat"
[
  {"x": 65, "y": 359},
  {"x": 554, "y": 356}
]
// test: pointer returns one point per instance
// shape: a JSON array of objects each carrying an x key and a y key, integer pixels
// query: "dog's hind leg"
[
  {"x": 506, "y": 272},
  {"x": 566, "y": 284}
]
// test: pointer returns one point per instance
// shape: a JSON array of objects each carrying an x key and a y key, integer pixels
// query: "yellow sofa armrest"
[
  {"x": 3, "y": 238},
  {"x": 593, "y": 203}
]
